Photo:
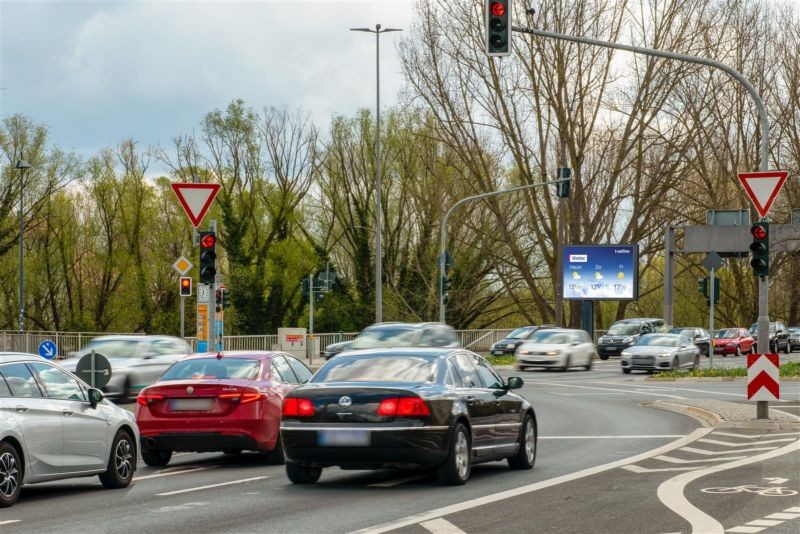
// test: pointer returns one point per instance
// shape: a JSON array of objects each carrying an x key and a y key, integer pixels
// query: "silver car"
[
  {"x": 661, "y": 352},
  {"x": 54, "y": 426},
  {"x": 136, "y": 361}
]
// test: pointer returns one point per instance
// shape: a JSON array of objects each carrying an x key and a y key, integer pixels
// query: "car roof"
[
  {"x": 241, "y": 354},
  {"x": 6, "y": 357},
  {"x": 410, "y": 325},
  {"x": 131, "y": 337},
  {"x": 432, "y": 352}
]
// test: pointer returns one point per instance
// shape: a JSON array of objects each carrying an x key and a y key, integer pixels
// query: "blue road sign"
[{"x": 48, "y": 349}]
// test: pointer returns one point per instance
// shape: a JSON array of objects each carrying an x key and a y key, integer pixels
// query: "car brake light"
[
  {"x": 146, "y": 399},
  {"x": 293, "y": 407},
  {"x": 403, "y": 407},
  {"x": 244, "y": 397}
]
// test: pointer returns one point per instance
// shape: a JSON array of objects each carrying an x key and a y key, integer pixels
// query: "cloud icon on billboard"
[
  {"x": 598, "y": 276},
  {"x": 576, "y": 275}
]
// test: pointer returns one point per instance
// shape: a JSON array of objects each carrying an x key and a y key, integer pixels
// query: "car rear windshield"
[
  {"x": 727, "y": 333},
  {"x": 521, "y": 333},
  {"x": 209, "y": 368},
  {"x": 114, "y": 348},
  {"x": 549, "y": 336},
  {"x": 660, "y": 340},
  {"x": 623, "y": 329},
  {"x": 385, "y": 337},
  {"x": 377, "y": 369}
]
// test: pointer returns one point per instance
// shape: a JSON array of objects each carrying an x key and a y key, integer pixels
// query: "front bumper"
[
  {"x": 646, "y": 363},
  {"x": 534, "y": 360},
  {"x": 613, "y": 350}
]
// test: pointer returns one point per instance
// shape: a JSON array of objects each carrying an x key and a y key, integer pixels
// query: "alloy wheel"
[
  {"x": 9, "y": 475},
  {"x": 530, "y": 443},
  {"x": 123, "y": 459},
  {"x": 462, "y": 455}
]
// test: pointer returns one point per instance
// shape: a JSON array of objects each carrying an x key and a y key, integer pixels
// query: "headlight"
[
  {"x": 731, "y": 344},
  {"x": 665, "y": 355},
  {"x": 628, "y": 339},
  {"x": 603, "y": 339},
  {"x": 553, "y": 353},
  {"x": 525, "y": 352},
  {"x": 626, "y": 354},
  {"x": 511, "y": 346}
]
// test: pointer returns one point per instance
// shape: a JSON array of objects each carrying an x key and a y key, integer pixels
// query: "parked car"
[
  {"x": 384, "y": 335},
  {"x": 666, "y": 352},
  {"x": 623, "y": 334},
  {"x": 335, "y": 348},
  {"x": 736, "y": 341},
  {"x": 699, "y": 337},
  {"x": 370, "y": 409},
  {"x": 136, "y": 361},
  {"x": 558, "y": 348},
  {"x": 778, "y": 337},
  {"x": 510, "y": 343},
  {"x": 208, "y": 402},
  {"x": 53, "y": 426},
  {"x": 794, "y": 337}
]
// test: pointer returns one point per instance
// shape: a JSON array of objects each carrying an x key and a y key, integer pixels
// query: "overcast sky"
[{"x": 98, "y": 72}]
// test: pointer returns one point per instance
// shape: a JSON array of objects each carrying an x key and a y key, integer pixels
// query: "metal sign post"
[
  {"x": 310, "y": 318},
  {"x": 711, "y": 316}
]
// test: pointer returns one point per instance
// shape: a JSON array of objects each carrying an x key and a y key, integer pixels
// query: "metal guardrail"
[{"x": 66, "y": 342}]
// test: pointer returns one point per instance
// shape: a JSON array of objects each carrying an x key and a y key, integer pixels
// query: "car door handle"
[
  {"x": 67, "y": 412},
  {"x": 22, "y": 409}
]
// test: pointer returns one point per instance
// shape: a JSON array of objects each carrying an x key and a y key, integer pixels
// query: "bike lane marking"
[{"x": 441, "y": 526}]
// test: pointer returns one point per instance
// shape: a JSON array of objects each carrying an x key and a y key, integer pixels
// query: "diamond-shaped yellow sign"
[{"x": 182, "y": 265}]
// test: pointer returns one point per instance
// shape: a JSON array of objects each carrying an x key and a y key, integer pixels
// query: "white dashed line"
[
  {"x": 441, "y": 526},
  {"x": 714, "y": 453},
  {"x": 170, "y": 473},
  {"x": 654, "y": 436},
  {"x": 397, "y": 482},
  {"x": 199, "y": 488},
  {"x": 10, "y": 521}
]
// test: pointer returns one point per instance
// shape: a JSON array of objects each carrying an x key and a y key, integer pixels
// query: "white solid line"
[
  {"x": 210, "y": 486},
  {"x": 733, "y": 444},
  {"x": 682, "y": 389},
  {"x": 10, "y": 521},
  {"x": 671, "y": 492},
  {"x": 170, "y": 473},
  {"x": 745, "y": 530},
  {"x": 397, "y": 482},
  {"x": 672, "y": 460},
  {"x": 522, "y": 490},
  {"x": 441, "y": 526},
  {"x": 637, "y": 469},
  {"x": 793, "y": 510},
  {"x": 764, "y": 523},
  {"x": 783, "y": 515},
  {"x": 625, "y": 391},
  {"x": 654, "y": 436},
  {"x": 714, "y": 453}
]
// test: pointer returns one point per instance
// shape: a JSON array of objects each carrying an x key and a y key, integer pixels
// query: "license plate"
[
  {"x": 611, "y": 348},
  {"x": 496, "y": 352},
  {"x": 343, "y": 438},
  {"x": 191, "y": 405}
]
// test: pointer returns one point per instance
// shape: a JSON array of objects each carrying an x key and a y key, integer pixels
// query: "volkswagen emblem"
[
  {"x": 190, "y": 390},
  {"x": 345, "y": 402}
]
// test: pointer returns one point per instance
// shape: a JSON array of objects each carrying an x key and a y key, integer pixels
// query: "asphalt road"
[{"x": 587, "y": 420}]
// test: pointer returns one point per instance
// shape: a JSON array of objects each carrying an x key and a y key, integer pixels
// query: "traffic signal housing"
[
  {"x": 447, "y": 284},
  {"x": 185, "y": 286},
  {"x": 760, "y": 248},
  {"x": 498, "y": 27},
  {"x": 208, "y": 257},
  {"x": 702, "y": 286}
]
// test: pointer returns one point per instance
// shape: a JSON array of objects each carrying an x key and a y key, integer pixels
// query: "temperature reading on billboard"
[{"x": 600, "y": 272}]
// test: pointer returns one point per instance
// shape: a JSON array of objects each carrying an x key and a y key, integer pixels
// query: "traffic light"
[
  {"x": 716, "y": 290},
  {"x": 225, "y": 298},
  {"x": 185, "y": 286},
  {"x": 208, "y": 257},
  {"x": 498, "y": 27},
  {"x": 562, "y": 187},
  {"x": 447, "y": 284},
  {"x": 760, "y": 248},
  {"x": 702, "y": 286}
]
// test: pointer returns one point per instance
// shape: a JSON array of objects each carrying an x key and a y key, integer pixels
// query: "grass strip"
[{"x": 790, "y": 369}]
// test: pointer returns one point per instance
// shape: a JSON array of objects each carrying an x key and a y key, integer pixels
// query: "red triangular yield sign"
[
  {"x": 762, "y": 188},
  {"x": 196, "y": 199}
]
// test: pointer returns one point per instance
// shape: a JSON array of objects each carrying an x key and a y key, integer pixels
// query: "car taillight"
[
  {"x": 243, "y": 397},
  {"x": 146, "y": 399},
  {"x": 293, "y": 407},
  {"x": 403, "y": 407}
]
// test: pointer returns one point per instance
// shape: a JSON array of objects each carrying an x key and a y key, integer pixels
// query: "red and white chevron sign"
[{"x": 763, "y": 377}]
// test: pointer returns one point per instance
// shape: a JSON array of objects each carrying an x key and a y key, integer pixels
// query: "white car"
[
  {"x": 53, "y": 426},
  {"x": 558, "y": 348}
]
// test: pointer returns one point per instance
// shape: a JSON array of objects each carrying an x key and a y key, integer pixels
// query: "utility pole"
[{"x": 563, "y": 167}]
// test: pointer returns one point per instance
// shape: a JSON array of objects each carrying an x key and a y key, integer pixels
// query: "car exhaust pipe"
[{"x": 150, "y": 443}]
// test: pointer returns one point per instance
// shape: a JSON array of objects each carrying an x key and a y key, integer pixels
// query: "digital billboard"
[{"x": 600, "y": 272}]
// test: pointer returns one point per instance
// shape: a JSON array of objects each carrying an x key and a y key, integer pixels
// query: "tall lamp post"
[
  {"x": 21, "y": 165},
  {"x": 378, "y": 248}
]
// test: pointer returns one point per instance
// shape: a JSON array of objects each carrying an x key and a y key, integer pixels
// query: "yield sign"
[
  {"x": 196, "y": 199},
  {"x": 763, "y": 377},
  {"x": 762, "y": 188}
]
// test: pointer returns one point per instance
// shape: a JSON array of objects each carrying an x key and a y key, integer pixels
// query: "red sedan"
[
  {"x": 736, "y": 341},
  {"x": 208, "y": 402}
]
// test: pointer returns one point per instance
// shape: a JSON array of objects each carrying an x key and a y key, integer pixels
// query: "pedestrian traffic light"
[
  {"x": 760, "y": 248},
  {"x": 498, "y": 27},
  {"x": 185, "y": 286},
  {"x": 208, "y": 257}
]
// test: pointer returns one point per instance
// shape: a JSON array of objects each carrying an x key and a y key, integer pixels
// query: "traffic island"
[{"x": 724, "y": 414}]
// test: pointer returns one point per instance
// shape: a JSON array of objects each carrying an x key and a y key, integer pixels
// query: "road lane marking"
[
  {"x": 397, "y": 482},
  {"x": 637, "y": 469},
  {"x": 764, "y": 523},
  {"x": 793, "y": 510},
  {"x": 734, "y": 444},
  {"x": 712, "y": 453},
  {"x": 654, "y": 436},
  {"x": 783, "y": 515},
  {"x": 745, "y": 530},
  {"x": 625, "y": 391},
  {"x": 176, "y": 472},
  {"x": 672, "y": 388},
  {"x": 199, "y": 488},
  {"x": 10, "y": 521},
  {"x": 671, "y": 492},
  {"x": 441, "y": 526},
  {"x": 672, "y": 460},
  {"x": 522, "y": 490}
]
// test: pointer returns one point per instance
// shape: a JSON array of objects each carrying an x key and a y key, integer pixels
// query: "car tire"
[
  {"x": 626, "y": 371},
  {"x": 604, "y": 357},
  {"x": 566, "y": 365},
  {"x": 121, "y": 462},
  {"x": 674, "y": 366},
  {"x": 302, "y": 474},
  {"x": 275, "y": 456},
  {"x": 588, "y": 366},
  {"x": 10, "y": 474},
  {"x": 456, "y": 468},
  {"x": 156, "y": 457},
  {"x": 526, "y": 455},
  {"x": 738, "y": 351},
  {"x": 696, "y": 364}
]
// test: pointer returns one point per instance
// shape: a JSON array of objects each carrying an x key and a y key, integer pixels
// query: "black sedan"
[{"x": 442, "y": 408}]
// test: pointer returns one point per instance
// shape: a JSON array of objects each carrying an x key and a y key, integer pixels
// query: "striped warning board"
[{"x": 763, "y": 377}]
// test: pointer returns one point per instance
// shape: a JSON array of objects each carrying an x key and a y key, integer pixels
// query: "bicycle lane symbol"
[{"x": 773, "y": 491}]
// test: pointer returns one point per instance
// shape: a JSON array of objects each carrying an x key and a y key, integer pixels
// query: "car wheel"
[
  {"x": 275, "y": 456},
  {"x": 787, "y": 349},
  {"x": 674, "y": 366},
  {"x": 588, "y": 366},
  {"x": 566, "y": 365},
  {"x": 526, "y": 455},
  {"x": 696, "y": 364},
  {"x": 10, "y": 475},
  {"x": 302, "y": 474},
  {"x": 121, "y": 463},
  {"x": 604, "y": 357},
  {"x": 626, "y": 371},
  {"x": 738, "y": 351},
  {"x": 156, "y": 457},
  {"x": 456, "y": 468}
]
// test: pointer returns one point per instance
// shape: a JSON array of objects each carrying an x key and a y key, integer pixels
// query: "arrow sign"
[
  {"x": 762, "y": 188},
  {"x": 48, "y": 349},
  {"x": 196, "y": 199},
  {"x": 763, "y": 377}
]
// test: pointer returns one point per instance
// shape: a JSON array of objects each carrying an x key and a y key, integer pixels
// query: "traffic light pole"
[
  {"x": 443, "y": 232},
  {"x": 762, "y": 407},
  {"x": 713, "y": 293},
  {"x": 183, "y": 308}
]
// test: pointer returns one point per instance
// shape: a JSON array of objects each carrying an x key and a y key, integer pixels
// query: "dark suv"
[
  {"x": 509, "y": 344},
  {"x": 392, "y": 335},
  {"x": 778, "y": 336},
  {"x": 623, "y": 334}
]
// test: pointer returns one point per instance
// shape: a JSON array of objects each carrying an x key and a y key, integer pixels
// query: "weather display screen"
[{"x": 601, "y": 272}]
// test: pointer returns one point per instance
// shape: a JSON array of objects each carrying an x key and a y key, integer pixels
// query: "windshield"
[
  {"x": 208, "y": 368},
  {"x": 660, "y": 340},
  {"x": 377, "y": 369},
  {"x": 754, "y": 328},
  {"x": 794, "y": 329},
  {"x": 113, "y": 348},
  {"x": 727, "y": 333},
  {"x": 688, "y": 332},
  {"x": 553, "y": 337},
  {"x": 385, "y": 337},
  {"x": 623, "y": 329},
  {"x": 521, "y": 333}
]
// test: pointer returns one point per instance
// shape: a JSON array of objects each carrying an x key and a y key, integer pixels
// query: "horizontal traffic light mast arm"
[{"x": 763, "y": 120}]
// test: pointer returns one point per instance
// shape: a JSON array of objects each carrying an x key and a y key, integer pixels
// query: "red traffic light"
[
  {"x": 208, "y": 241},
  {"x": 186, "y": 282},
  {"x": 498, "y": 9},
  {"x": 758, "y": 231}
]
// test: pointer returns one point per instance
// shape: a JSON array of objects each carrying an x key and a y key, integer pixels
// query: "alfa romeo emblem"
[
  {"x": 345, "y": 402},
  {"x": 190, "y": 390}
]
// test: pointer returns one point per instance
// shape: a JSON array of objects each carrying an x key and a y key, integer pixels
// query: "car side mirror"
[
  {"x": 95, "y": 396},
  {"x": 515, "y": 382}
]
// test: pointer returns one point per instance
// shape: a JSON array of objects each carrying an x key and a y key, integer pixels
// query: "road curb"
[
  {"x": 707, "y": 417},
  {"x": 717, "y": 420},
  {"x": 712, "y": 379}
]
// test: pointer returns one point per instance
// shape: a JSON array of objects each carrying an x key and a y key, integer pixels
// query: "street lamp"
[
  {"x": 21, "y": 165},
  {"x": 378, "y": 249}
]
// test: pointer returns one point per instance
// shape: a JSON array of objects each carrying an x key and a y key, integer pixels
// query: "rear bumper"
[{"x": 201, "y": 442}]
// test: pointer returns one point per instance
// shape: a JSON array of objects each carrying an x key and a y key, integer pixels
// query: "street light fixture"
[
  {"x": 378, "y": 248},
  {"x": 21, "y": 165}
]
